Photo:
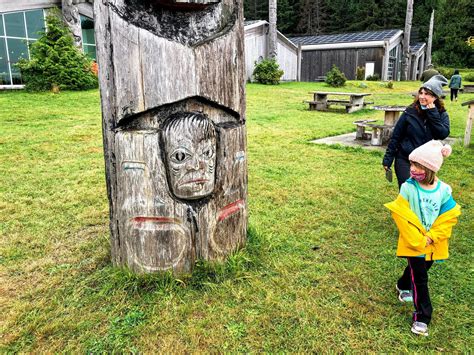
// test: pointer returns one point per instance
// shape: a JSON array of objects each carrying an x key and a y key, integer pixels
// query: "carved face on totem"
[{"x": 190, "y": 151}]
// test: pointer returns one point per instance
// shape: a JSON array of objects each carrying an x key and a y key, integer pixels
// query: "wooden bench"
[
  {"x": 361, "y": 125},
  {"x": 468, "y": 88},
  {"x": 321, "y": 101},
  {"x": 380, "y": 132}
]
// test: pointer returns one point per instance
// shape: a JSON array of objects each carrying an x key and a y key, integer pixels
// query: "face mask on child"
[
  {"x": 423, "y": 107},
  {"x": 418, "y": 176}
]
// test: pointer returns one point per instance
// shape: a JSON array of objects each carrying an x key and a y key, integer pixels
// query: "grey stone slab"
[{"x": 349, "y": 140}]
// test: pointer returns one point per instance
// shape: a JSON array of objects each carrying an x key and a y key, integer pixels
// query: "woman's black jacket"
[{"x": 414, "y": 129}]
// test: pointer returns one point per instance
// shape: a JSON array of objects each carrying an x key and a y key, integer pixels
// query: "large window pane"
[
  {"x": 34, "y": 23},
  {"x": 90, "y": 51},
  {"x": 1, "y": 26},
  {"x": 15, "y": 24},
  {"x": 87, "y": 25},
  {"x": 17, "y": 49},
  {"x": 4, "y": 73},
  {"x": 16, "y": 77}
]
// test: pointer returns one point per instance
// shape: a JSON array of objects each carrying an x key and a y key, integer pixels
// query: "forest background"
[{"x": 452, "y": 27}]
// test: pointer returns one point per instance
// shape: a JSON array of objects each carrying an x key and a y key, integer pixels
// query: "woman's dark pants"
[
  {"x": 402, "y": 169},
  {"x": 454, "y": 93}
]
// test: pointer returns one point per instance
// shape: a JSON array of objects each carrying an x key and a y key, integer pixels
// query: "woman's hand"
[{"x": 430, "y": 101}]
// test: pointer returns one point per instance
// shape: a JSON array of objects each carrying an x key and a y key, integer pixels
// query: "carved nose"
[{"x": 193, "y": 164}]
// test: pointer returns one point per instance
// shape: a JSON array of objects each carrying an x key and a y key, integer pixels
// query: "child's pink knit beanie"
[{"x": 431, "y": 154}]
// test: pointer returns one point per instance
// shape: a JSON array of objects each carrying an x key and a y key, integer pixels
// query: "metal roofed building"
[{"x": 379, "y": 52}]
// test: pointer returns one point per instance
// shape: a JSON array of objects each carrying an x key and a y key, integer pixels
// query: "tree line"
[{"x": 453, "y": 21}]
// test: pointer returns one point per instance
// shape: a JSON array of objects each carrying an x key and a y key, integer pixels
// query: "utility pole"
[
  {"x": 406, "y": 41},
  {"x": 272, "y": 31},
  {"x": 430, "y": 40}
]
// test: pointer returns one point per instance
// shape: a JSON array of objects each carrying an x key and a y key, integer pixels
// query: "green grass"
[{"x": 317, "y": 274}]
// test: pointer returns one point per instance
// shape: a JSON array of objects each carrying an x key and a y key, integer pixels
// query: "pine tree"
[
  {"x": 55, "y": 61},
  {"x": 453, "y": 25}
]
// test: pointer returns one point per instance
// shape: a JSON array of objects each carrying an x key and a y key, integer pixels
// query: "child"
[{"x": 425, "y": 213}]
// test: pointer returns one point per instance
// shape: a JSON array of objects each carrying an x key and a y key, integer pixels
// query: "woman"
[
  {"x": 425, "y": 119},
  {"x": 455, "y": 85}
]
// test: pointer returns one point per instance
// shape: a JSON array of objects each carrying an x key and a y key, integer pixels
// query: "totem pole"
[
  {"x": 73, "y": 19},
  {"x": 173, "y": 104}
]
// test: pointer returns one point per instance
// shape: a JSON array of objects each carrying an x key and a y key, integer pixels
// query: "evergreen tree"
[
  {"x": 313, "y": 17},
  {"x": 453, "y": 25},
  {"x": 340, "y": 15},
  {"x": 55, "y": 61},
  {"x": 453, "y": 22}
]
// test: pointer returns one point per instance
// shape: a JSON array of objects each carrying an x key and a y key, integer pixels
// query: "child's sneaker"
[
  {"x": 420, "y": 328},
  {"x": 404, "y": 295}
]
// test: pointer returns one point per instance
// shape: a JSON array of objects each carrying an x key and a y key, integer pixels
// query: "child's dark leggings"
[{"x": 415, "y": 278}]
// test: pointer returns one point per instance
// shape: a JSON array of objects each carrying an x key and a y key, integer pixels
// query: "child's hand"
[{"x": 429, "y": 241}]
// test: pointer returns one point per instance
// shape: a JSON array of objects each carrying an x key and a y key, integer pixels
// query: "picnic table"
[
  {"x": 352, "y": 102},
  {"x": 380, "y": 132},
  {"x": 468, "y": 88}
]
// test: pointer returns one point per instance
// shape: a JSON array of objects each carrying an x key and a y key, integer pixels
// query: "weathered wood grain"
[{"x": 176, "y": 192}]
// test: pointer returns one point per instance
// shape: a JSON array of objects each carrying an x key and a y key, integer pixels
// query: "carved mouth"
[{"x": 195, "y": 181}]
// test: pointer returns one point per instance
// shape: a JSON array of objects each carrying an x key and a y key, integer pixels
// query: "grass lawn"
[{"x": 318, "y": 272}]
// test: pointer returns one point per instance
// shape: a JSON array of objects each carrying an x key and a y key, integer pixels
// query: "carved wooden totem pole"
[
  {"x": 73, "y": 19},
  {"x": 173, "y": 104}
]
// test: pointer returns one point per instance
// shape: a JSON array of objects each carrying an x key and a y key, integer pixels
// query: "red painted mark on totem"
[
  {"x": 230, "y": 209},
  {"x": 154, "y": 219}
]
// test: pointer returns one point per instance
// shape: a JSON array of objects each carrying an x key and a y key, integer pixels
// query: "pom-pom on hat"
[
  {"x": 435, "y": 84},
  {"x": 431, "y": 154}
]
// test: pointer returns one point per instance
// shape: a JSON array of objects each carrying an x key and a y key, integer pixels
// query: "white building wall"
[
  {"x": 287, "y": 59},
  {"x": 256, "y": 50}
]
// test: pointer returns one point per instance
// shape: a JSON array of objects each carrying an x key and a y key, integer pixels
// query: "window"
[
  {"x": 4, "y": 69},
  {"x": 34, "y": 23},
  {"x": 17, "y": 29},
  {"x": 88, "y": 40},
  {"x": 15, "y": 25}
]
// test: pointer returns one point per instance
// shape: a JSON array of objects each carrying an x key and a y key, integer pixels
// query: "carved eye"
[
  {"x": 179, "y": 156},
  {"x": 208, "y": 153}
]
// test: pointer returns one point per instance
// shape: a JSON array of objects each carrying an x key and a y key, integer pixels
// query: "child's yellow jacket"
[{"x": 413, "y": 236}]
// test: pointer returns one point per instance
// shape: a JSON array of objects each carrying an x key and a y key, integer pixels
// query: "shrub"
[
  {"x": 469, "y": 77},
  {"x": 56, "y": 62},
  {"x": 374, "y": 77},
  {"x": 360, "y": 73},
  {"x": 267, "y": 72},
  {"x": 335, "y": 77},
  {"x": 389, "y": 84},
  {"x": 446, "y": 72},
  {"x": 363, "y": 85}
]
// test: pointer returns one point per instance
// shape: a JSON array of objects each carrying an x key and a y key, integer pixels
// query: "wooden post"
[
  {"x": 172, "y": 80},
  {"x": 430, "y": 39},
  {"x": 73, "y": 20},
  {"x": 470, "y": 117},
  {"x": 298, "y": 61},
  {"x": 272, "y": 30},
  {"x": 406, "y": 41}
]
